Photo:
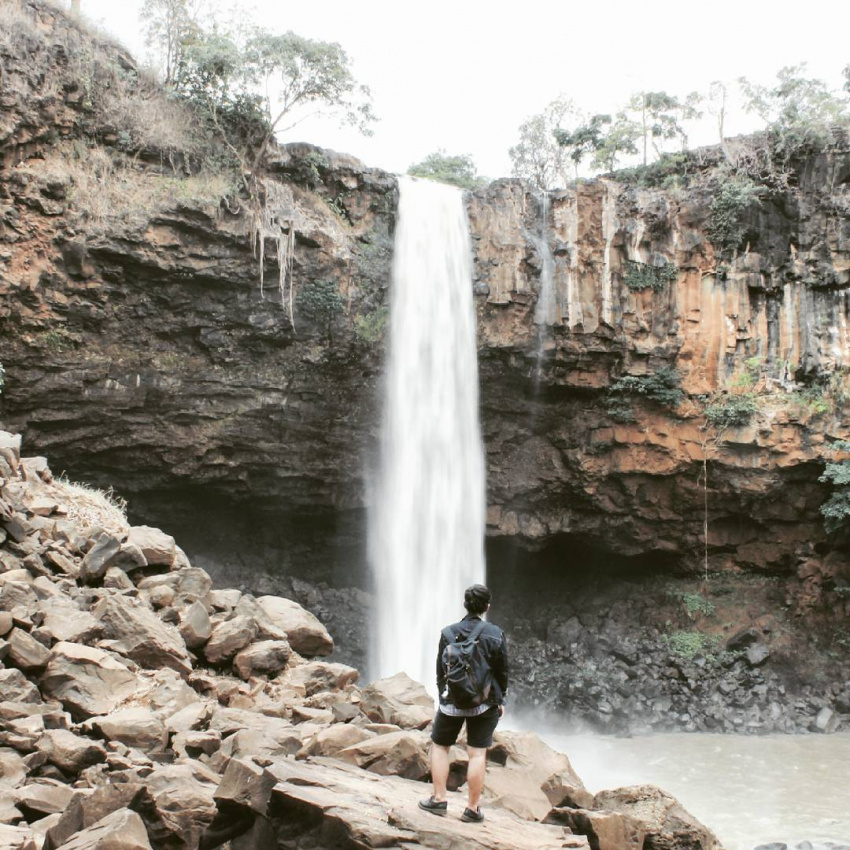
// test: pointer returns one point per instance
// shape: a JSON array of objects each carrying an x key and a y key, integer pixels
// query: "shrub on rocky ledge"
[
  {"x": 727, "y": 224},
  {"x": 731, "y": 411},
  {"x": 321, "y": 302},
  {"x": 662, "y": 387},
  {"x": 640, "y": 276},
  {"x": 836, "y": 509}
]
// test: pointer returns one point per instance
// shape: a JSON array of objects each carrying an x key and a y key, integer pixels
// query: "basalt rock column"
[{"x": 427, "y": 517}]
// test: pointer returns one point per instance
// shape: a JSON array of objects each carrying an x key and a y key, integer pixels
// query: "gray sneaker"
[
  {"x": 436, "y": 808},
  {"x": 472, "y": 815}
]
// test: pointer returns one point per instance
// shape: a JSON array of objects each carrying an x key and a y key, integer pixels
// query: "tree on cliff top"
[
  {"x": 620, "y": 140},
  {"x": 170, "y": 25},
  {"x": 662, "y": 116},
  {"x": 584, "y": 140},
  {"x": 800, "y": 111},
  {"x": 309, "y": 77},
  {"x": 455, "y": 170},
  {"x": 538, "y": 157},
  {"x": 250, "y": 85}
]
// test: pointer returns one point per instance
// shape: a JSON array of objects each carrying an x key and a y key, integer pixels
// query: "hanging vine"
[{"x": 273, "y": 217}]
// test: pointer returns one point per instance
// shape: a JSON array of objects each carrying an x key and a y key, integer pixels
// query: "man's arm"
[
  {"x": 441, "y": 674},
  {"x": 500, "y": 668}
]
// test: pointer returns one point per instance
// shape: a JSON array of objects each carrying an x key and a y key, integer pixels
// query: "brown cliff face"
[
  {"x": 560, "y": 465},
  {"x": 136, "y": 339},
  {"x": 140, "y": 351}
]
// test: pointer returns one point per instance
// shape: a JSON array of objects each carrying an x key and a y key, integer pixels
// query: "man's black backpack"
[{"x": 468, "y": 675}]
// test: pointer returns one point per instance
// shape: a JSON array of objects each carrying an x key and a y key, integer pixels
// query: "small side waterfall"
[
  {"x": 546, "y": 307},
  {"x": 545, "y": 310},
  {"x": 426, "y": 523}
]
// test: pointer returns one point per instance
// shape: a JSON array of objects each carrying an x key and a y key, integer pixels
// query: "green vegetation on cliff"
[
  {"x": 727, "y": 222},
  {"x": 641, "y": 276},
  {"x": 799, "y": 114},
  {"x": 731, "y": 410},
  {"x": 661, "y": 387},
  {"x": 457, "y": 171},
  {"x": 321, "y": 301},
  {"x": 836, "y": 509}
]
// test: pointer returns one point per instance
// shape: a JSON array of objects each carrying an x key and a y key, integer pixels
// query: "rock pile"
[
  {"x": 141, "y": 708},
  {"x": 616, "y": 675}
]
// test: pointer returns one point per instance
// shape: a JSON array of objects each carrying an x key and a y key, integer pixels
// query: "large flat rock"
[
  {"x": 86, "y": 680},
  {"x": 357, "y": 809}
]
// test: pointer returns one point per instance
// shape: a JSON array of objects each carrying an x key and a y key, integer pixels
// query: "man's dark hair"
[{"x": 476, "y": 599}]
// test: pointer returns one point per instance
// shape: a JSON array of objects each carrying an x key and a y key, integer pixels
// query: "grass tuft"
[{"x": 90, "y": 507}]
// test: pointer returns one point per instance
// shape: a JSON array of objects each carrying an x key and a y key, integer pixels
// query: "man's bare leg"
[
  {"x": 440, "y": 770},
  {"x": 474, "y": 774}
]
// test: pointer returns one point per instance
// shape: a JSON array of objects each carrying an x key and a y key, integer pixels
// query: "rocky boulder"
[
  {"x": 136, "y": 727},
  {"x": 93, "y": 567},
  {"x": 305, "y": 633},
  {"x": 91, "y": 807},
  {"x": 245, "y": 784},
  {"x": 403, "y": 753},
  {"x": 86, "y": 680},
  {"x": 121, "y": 830},
  {"x": 195, "y": 627},
  {"x": 248, "y": 734},
  {"x": 262, "y": 659},
  {"x": 318, "y": 676},
  {"x": 333, "y": 739},
  {"x": 667, "y": 825},
  {"x": 355, "y": 809},
  {"x": 14, "y": 837},
  {"x": 565, "y": 788},
  {"x": 228, "y": 638},
  {"x": 183, "y": 802},
  {"x": 398, "y": 700},
  {"x": 604, "y": 830},
  {"x": 64, "y": 620},
  {"x": 523, "y": 769},
  {"x": 15, "y": 687},
  {"x": 140, "y": 635},
  {"x": 69, "y": 752},
  {"x": 26, "y": 652},
  {"x": 13, "y": 769},
  {"x": 43, "y": 797},
  {"x": 156, "y": 546}
]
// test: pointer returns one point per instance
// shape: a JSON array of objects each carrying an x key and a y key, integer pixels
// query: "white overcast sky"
[{"x": 463, "y": 74}]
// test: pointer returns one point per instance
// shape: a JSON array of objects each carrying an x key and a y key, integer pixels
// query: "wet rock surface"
[{"x": 103, "y": 745}]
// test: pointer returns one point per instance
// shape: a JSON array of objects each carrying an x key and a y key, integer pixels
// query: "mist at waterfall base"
[{"x": 427, "y": 511}]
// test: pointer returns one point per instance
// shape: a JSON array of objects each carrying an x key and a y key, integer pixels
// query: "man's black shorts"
[{"x": 479, "y": 730}]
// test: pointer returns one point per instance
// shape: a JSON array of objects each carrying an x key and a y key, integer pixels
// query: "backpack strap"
[{"x": 474, "y": 634}]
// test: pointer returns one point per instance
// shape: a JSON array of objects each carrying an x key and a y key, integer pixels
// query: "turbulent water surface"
[
  {"x": 749, "y": 790},
  {"x": 427, "y": 519}
]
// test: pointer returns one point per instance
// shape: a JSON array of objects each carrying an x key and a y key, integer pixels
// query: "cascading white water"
[
  {"x": 545, "y": 310},
  {"x": 426, "y": 523}
]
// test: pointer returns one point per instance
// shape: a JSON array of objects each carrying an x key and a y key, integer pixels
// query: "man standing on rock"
[{"x": 472, "y": 680}]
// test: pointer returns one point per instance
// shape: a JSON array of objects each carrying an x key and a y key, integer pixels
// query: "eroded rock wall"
[
  {"x": 138, "y": 342},
  {"x": 774, "y": 315},
  {"x": 141, "y": 351}
]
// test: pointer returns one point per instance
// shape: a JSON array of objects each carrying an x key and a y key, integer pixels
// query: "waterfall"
[
  {"x": 426, "y": 521},
  {"x": 545, "y": 313},
  {"x": 609, "y": 229}
]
